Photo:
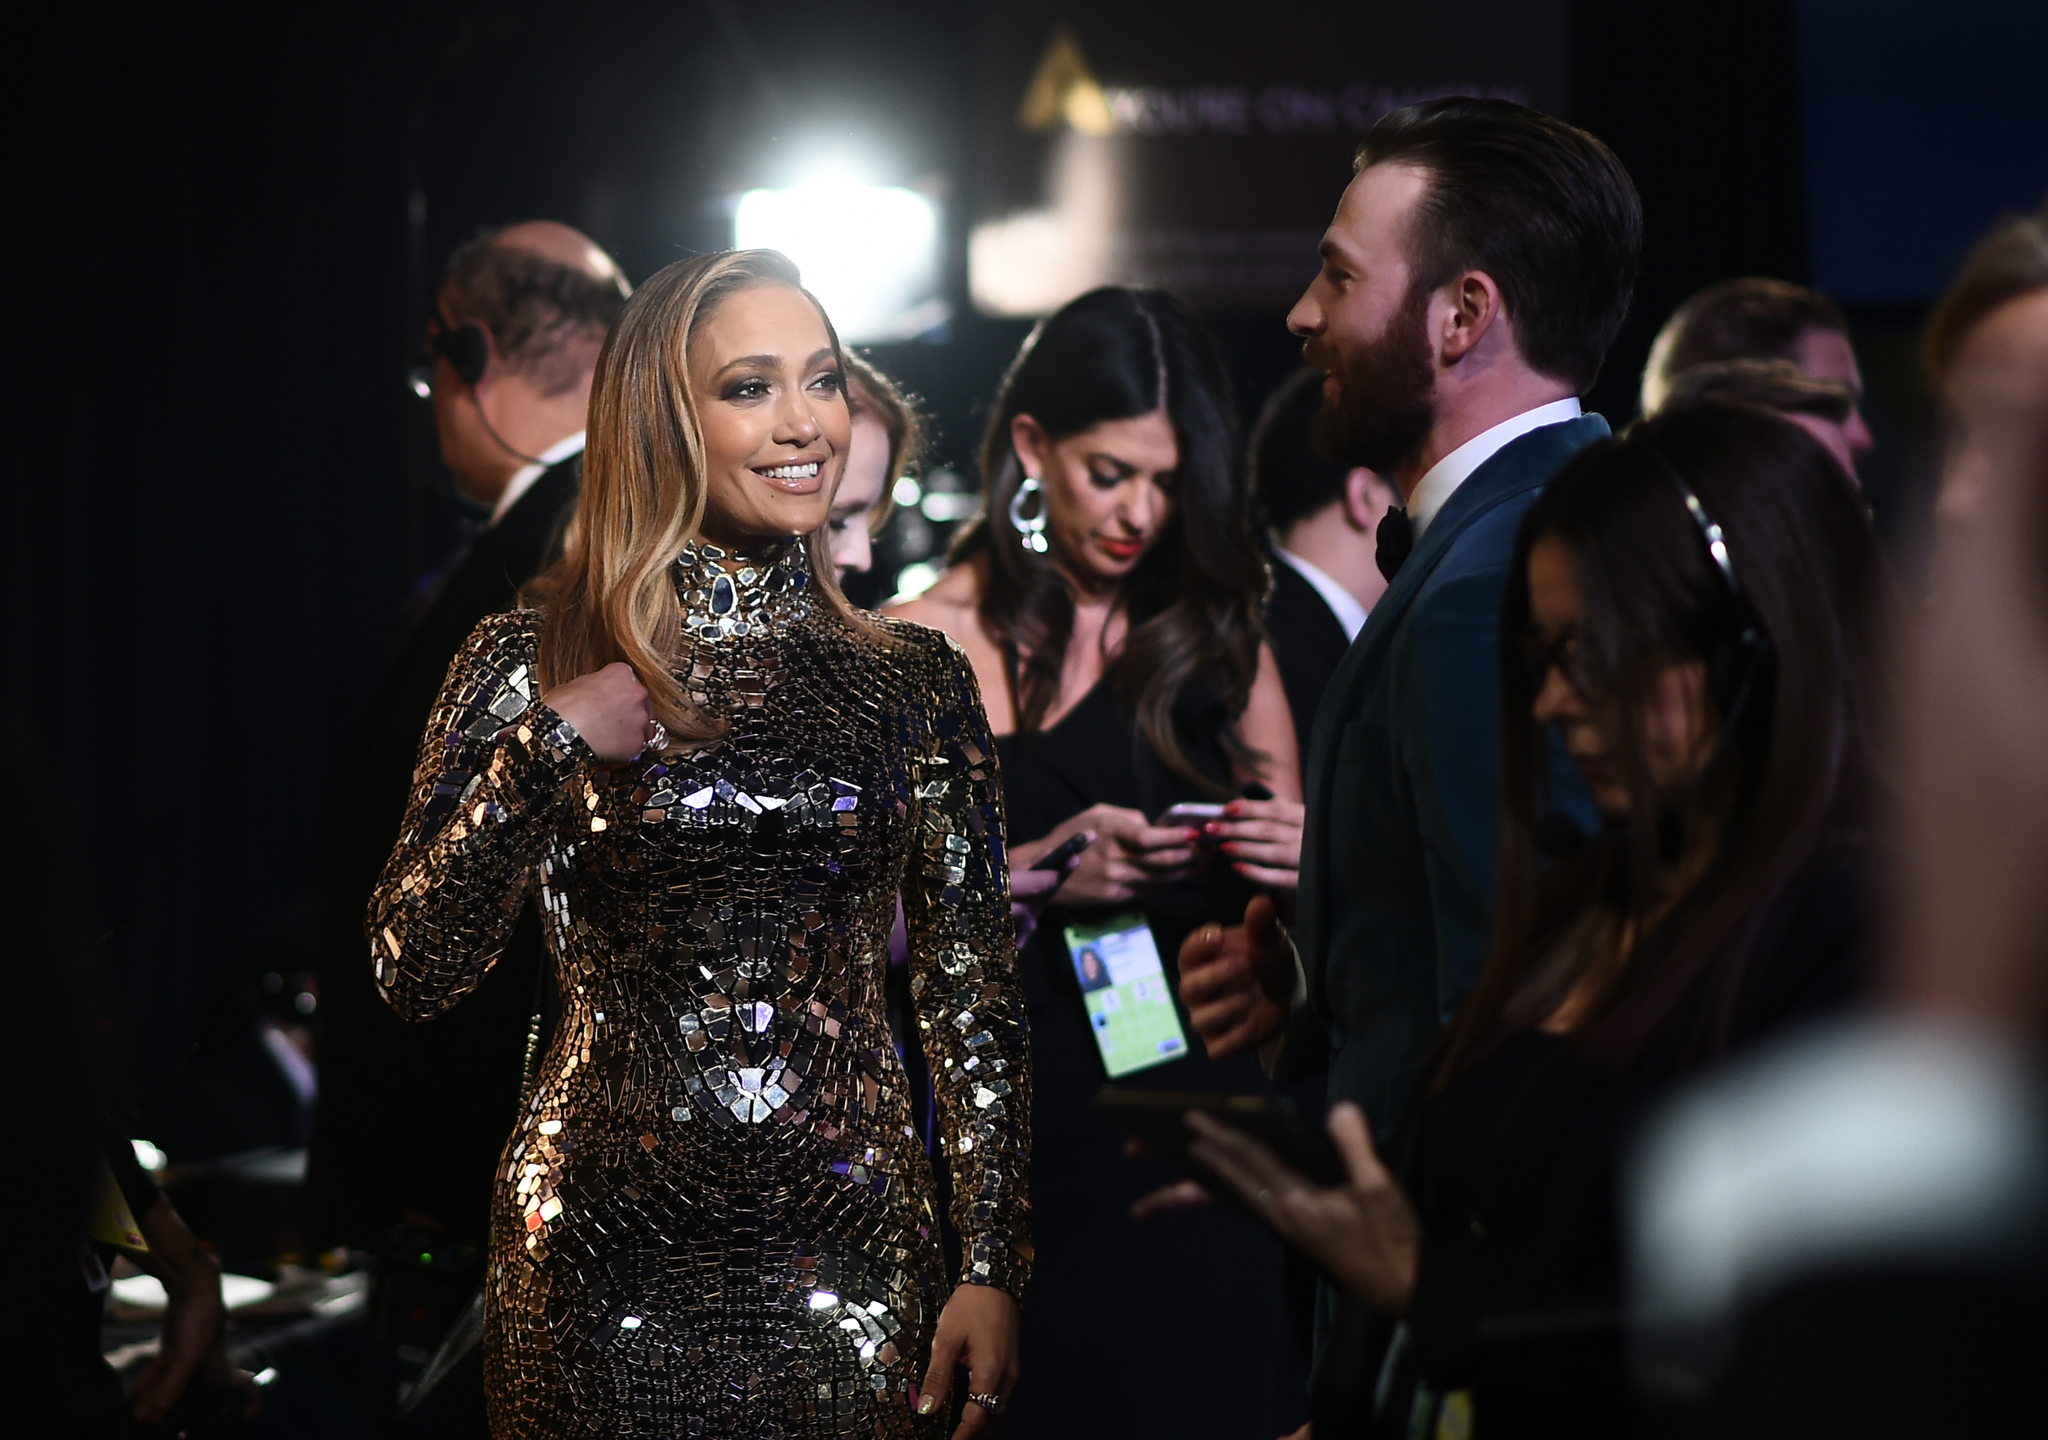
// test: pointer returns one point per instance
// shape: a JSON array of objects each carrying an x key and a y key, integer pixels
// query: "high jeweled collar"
[{"x": 732, "y": 596}]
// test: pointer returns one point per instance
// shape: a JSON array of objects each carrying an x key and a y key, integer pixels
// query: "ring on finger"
[
  {"x": 657, "y": 736},
  {"x": 1265, "y": 1198},
  {"x": 991, "y": 1403}
]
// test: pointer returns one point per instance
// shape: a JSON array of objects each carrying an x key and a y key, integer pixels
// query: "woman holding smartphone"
[
  {"x": 1108, "y": 598},
  {"x": 719, "y": 777}
]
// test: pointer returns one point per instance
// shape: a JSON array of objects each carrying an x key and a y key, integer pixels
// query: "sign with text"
[{"x": 1202, "y": 147}]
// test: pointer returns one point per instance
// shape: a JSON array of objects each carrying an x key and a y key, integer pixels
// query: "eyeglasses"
[{"x": 1541, "y": 655}]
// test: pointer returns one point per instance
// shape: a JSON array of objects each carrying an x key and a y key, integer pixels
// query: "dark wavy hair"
[
  {"x": 1795, "y": 770},
  {"x": 1195, "y": 599}
]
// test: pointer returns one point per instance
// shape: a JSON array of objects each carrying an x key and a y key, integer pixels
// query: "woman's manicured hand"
[
  {"x": 609, "y": 709},
  {"x": 1130, "y": 855},
  {"x": 979, "y": 1329},
  {"x": 1262, "y": 840}
]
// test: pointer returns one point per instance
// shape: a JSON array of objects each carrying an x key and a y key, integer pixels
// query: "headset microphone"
[
  {"x": 468, "y": 350},
  {"x": 1740, "y": 663}
]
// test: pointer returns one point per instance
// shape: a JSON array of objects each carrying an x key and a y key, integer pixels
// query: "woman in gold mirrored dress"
[{"x": 714, "y": 1217}]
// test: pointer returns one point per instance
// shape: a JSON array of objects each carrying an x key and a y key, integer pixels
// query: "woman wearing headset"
[{"x": 1695, "y": 611}]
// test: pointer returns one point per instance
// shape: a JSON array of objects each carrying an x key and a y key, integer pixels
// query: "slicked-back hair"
[
  {"x": 1541, "y": 206},
  {"x": 1753, "y": 318},
  {"x": 546, "y": 319}
]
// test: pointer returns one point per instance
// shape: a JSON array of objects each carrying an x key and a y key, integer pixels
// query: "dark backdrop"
[{"x": 225, "y": 493}]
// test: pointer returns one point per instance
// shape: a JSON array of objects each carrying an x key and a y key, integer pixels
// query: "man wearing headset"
[
  {"x": 513, "y": 340},
  {"x": 411, "y": 1118}
]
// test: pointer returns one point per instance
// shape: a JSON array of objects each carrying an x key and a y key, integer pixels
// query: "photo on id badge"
[{"x": 1124, "y": 987}]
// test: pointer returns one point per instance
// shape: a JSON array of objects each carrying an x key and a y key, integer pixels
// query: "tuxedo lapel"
[{"x": 1524, "y": 463}]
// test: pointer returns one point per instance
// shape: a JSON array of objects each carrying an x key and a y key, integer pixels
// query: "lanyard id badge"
[{"x": 1130, "y": 1007}]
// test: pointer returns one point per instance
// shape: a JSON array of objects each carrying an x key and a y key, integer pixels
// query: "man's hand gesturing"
[{"x": 1236, "y": 982}]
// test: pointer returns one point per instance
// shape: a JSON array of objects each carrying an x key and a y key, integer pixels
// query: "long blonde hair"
[{"x": 610, "y": 597}]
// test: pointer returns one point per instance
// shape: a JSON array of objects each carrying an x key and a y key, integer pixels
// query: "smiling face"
[
  {"x": 771, "y": 400},
  {"x": 1109, "y": 491},
  {"x": 1678, "y": 724}
]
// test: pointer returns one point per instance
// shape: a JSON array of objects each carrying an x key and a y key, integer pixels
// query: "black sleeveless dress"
[{"x": 1171, "y": 1326}]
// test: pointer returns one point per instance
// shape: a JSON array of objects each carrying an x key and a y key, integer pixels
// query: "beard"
[{"x": 1385, "y": 401}]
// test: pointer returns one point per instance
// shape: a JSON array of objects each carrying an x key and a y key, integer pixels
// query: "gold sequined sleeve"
[
  {"x": 963, "y": 960},
  {"x": 492, "y": 765}
]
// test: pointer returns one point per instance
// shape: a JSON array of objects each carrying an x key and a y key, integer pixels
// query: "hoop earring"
[{"x": 1031, "y": 533}]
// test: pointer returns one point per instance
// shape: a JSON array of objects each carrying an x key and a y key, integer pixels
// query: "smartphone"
[
  {"x": 1057, "y": 857},
  {"x": 1190, "y": 813},
  {"x": 1158, "y": 1117},
  {"x": 1123, "y": 985}
]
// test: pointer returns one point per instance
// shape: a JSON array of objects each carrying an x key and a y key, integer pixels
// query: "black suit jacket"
[
  {"x": 1397, "y": 853},
  {"x": 412, "y": 1117},
  {"x": 1308, "y": 641}
]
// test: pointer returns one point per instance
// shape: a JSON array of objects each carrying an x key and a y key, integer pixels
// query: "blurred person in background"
[
  {"x": 1759, "y": 319},
  {"x": 1109, "y": 598},
  {"x": 888, "y": 444},
  {"x": 1695, "y": 612},
  {"x": 94, "y": 1201},
  {"x": 1324, "y": 518},
  {"x": 1847, "y": 1236},
  {"x": 188, "y": 1385},
  {"x": 1824, "y": 409},
  {"x": 408, "y": 1124}
]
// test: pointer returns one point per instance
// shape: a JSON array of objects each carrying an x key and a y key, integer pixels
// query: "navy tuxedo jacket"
[{"x": 1403, "y": 775}]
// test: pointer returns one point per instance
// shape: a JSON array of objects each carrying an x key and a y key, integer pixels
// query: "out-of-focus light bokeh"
[{"x": 870, "y": 253}]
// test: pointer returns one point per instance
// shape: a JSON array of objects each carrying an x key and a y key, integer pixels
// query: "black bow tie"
[{"x": 1396, "y": 541}]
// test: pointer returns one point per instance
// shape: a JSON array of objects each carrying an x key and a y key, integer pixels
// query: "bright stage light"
[{"x": 870, "y": 253}]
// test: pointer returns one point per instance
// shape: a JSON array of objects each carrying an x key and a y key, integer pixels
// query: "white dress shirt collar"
[
  {"x": 523, "y": 478},
  {"x": 1343, "y": 604},
  {"x": 1454, "y": 469}
]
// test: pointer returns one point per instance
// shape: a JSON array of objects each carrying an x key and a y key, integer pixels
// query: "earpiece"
[
  {"x": 1744, "y": 662},
  {"x": 466, "y": 348}
]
